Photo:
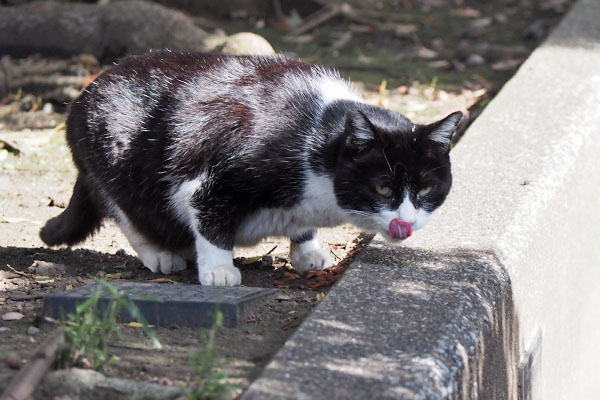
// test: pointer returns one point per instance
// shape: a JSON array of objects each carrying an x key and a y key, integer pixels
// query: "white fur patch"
[
  {"x": 318, "y": 208},
  {"x": 151, "y": 256},
  {"x": 181, "y": 197},
  {"x": 309, "y": 256},
  {"x": 332, "y": 90}
]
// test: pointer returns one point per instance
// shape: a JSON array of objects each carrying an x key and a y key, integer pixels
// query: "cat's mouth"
[{"x": 398, "y": 229}]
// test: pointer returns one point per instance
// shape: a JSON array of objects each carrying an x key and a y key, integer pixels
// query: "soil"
[{"x": 37, "y": 175}]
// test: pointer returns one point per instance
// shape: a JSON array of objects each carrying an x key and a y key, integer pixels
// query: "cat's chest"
[{"x": 317, "y": 208}]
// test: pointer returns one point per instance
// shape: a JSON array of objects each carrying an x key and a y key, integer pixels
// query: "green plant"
[
  {"x": 212, "y": 385},
  {"x": 89, "y": 330}
]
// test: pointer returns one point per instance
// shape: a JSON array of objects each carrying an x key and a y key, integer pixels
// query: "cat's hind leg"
[
  {"x": 153, "y": 257},
  {"x": 306, "y": 253},
  {"x": 79, "y": 220}
]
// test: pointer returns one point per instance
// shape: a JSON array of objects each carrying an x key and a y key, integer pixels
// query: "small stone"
[
  {"x": 128, "y": 274},
  {"x": 121, "y": 253},
  {"x": 13, "y": 361},
  {"x": 268, "y": 259},
  {"x": 47, "y": 268},
  {"x": 4, "y": 329},
  {"x": 475, "y": 59},
  {"x": 48, "y": 108},
  {"x": 32, "y": 330}
]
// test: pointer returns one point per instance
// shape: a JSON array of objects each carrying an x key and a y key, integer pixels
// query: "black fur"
[{"x": 133, "y": 138}]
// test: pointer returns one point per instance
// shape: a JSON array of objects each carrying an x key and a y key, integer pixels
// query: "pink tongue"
[{"x": 399, "y": 229}]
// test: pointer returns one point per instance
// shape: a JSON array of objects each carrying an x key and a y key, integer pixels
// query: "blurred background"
[{"x": 423, "y": 58}]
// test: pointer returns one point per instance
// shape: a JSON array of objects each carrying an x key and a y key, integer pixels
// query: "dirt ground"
[
  {"x": 483, "y": 47},
  {"x": 36, "y": 195}
]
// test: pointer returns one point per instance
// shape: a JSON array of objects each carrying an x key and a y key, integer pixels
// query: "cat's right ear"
[{"x": 359, "y": 132}]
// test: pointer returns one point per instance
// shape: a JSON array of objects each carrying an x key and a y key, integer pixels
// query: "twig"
[
  {"x": 28, "y": 378},
  {"x": 23, "y": 298},
  {"x": 9, "y": 147},
  {"x": 18, "y": 272},
  {"x": 270, "y": 251},
  {"x": 316, "y": 19}
]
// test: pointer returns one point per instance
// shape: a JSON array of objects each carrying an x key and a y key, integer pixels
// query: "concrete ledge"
[{"x": 497, "y": 297}]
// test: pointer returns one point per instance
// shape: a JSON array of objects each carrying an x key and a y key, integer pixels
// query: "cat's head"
[{"x": 392, "y": 174}]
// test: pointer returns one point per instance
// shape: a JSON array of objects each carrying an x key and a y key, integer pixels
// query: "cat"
[{"x": 194, "y": 153}]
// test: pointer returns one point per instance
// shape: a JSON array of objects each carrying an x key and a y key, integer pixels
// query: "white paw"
[
  {"x": 165, "y": 261},
  {"x": 313, "y": 259},
  {"x": 220, "y": 275}
]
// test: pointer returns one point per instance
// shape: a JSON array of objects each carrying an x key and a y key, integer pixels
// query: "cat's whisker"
[{"x": 435, "y": 169}]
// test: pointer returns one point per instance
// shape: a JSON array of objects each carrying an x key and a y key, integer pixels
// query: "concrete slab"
[
  {"x": 497, "y": 297},
  {"x": 179, "y": 305}
]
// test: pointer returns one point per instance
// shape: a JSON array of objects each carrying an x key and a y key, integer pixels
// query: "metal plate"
[{"x": 180, "y": 305}]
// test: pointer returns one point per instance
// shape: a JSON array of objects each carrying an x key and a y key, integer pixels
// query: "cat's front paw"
[
  {"x": 165, "y": 261},
  {"x": 220, "y": 275},
  {"x": 312, "y": 259}
]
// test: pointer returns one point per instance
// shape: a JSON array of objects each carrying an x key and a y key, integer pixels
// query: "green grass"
[
  {"x": 91, "y": 328},
  {"x": 212, "y": 384}
]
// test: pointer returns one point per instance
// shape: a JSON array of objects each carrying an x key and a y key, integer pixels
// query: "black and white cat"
[{"x": 194, "y": 153}]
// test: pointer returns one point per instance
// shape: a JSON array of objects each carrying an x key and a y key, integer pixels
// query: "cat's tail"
[{"x": 79, "y": 220}]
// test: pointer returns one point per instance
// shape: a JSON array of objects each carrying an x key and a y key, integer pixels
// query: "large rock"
[
  {"x": 247, "y": 43},
  {"x": 106, "y": 31}
]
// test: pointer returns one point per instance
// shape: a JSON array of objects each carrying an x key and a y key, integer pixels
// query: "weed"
[
  {"x": 212, "y": 385},
  {"x": 89, "y": 329}
]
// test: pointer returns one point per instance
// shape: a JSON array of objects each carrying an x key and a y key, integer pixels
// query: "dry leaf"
[
  {"x": 162, "y": 280},
  {"x": 133, "y": 324},
  {"x": 12, "y": 316}
]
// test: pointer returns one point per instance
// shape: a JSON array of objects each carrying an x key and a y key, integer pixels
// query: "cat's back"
[{"x": 196, "y": 96}]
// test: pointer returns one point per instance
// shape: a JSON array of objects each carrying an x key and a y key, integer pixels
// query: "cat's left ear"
[{"x": 441, "y": 132}]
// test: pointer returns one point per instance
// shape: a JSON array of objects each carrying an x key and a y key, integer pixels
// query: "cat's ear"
[
  {"x": 360, "y": 132},
  {"x": 440, "y": 132}
]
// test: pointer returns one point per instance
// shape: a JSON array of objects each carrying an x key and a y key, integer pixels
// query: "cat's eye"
[
  {"x": 385, "y": 191},
  {"x": 424, "y": 192}
]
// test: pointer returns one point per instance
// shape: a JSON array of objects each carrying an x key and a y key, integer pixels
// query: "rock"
[
  {"x": 12, "y": 316},
  {"x": 475, "y": 59},
  {"x": 47, "y": 268},
  {"x": 105, "y": 30},
  {"x": 537, "y": 31},
  {"x": 32, "y": 330},
  {"x": 13, "y": 361},
  {"x": 83, "y": 384},
  {"x": 247, "y": 43},
  {"x": 4, "y": 329}
]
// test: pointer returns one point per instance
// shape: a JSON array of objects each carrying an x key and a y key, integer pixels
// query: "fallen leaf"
[
  {"x": 252, "y": 260},
  {"x": 12, "y": 316},
  {"x": 320, "y": 296},
  {"x": 134, "y": 324},
  {"x": 43, "y": 279},
  {"x": 290, "y": 276},
  {"x": 116, "y": 275},
  {"x": 162, "y": 280},
  {"x": 278, "y": 283},
  {"x": 465, "y": 12},
  {"x": 338, "y": 270},
  {"x": 507, "y": 65}
]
